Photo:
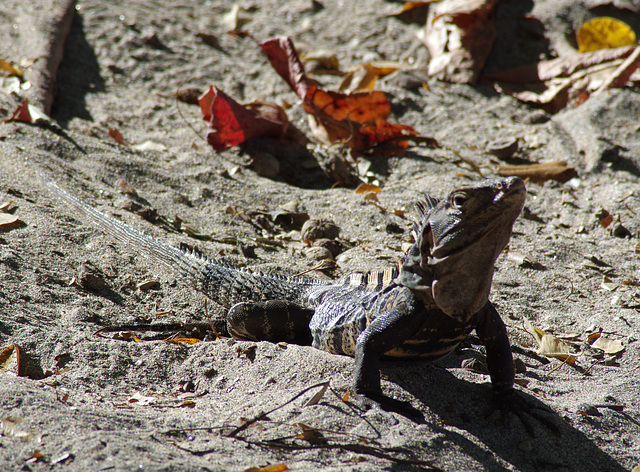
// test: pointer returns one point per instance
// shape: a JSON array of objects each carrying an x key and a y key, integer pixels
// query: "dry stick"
[
  {"x": 381, "y": 452},
  {"x": 248, "y": 423},
  {"x": 42, "y": 75},
  {"x": 195, "y": 131},
  {"x": 621, "y": 75}
]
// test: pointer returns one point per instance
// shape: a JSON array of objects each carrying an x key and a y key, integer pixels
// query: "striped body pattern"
[{"x": 423, "y": 308}]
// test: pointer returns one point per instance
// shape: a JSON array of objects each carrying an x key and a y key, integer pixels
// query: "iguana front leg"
[
  {"x": 493, "y": 334},
  {"x": 386, "y": 332}
]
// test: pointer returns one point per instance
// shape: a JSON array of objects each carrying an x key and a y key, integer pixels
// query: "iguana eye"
[{"x": 458, "y": 199}]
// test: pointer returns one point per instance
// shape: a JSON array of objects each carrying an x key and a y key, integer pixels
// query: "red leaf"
[
  {"x": 21, "y": 113},
  {"x": 284, "y": 59},
  {"x": 232, "y": 123},
  {"x": 116, "y": 135}
]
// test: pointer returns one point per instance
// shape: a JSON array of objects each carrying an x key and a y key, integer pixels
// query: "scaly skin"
[{"x": 423, "y": 309}]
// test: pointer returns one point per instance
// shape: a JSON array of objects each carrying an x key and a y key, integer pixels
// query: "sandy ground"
[{"x": 113, "y": 404}]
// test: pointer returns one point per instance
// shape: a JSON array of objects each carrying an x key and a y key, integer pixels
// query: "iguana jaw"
[{"x": 462, "y": 241}]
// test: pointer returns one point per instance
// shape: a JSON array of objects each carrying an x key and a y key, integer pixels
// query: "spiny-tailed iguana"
[{"x": 424, "y": 308}]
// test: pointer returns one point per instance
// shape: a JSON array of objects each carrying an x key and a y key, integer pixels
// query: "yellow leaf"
[
  {"x": 183, "y": 340},
  {"x": 604, "y": 33},
  {"x": 5, "y": 66}
]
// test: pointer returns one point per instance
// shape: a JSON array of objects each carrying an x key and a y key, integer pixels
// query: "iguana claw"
[{"x": 512, "y": 402}]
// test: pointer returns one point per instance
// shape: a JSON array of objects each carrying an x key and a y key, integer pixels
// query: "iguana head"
[{"x": 457, "y": 242}]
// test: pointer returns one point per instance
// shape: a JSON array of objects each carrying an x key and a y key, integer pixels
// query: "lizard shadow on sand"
[{"x": 465, "y": 405}]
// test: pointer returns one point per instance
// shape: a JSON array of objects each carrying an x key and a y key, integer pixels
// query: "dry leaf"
[
  {"x": 459, "y": 36},
  {"x": 235, "y": 18},
  {"x": 604, "y": 33},
  {"x": 318, "y": 396},
  {"x": 10, "y": 428},
  {"x": 9, "y": 222},
  {"x": 231, "y": 123},
  {"x": 10, "y": 69},
  {"x": 358, "y": 119},
  {"x": 557, "y": 170},
  {"x": 116, "y": 135},
  {"x": 183, "y": 340},
  {"x": 564, "y": 66},
  {"x": 322, "y": 62},
  {"x": 549, "y": 345},
  {"x": 270, "y": 468},
  {"x": 609, "y": 346},
  {"x": 28, "y": 114},
  {"x": 10, "y": 360},
  {"x": 141, "y": 400},
  {"x": 367, "y": 188},
  {"x": 622, "y": 74}
]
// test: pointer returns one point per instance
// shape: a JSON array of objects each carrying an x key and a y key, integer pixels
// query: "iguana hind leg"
[{"x": 273, "y": 320}]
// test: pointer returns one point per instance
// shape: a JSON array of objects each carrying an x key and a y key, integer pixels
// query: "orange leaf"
[
  {"x": 358, "y": 119},
  {"x": 232, "y": 123}
]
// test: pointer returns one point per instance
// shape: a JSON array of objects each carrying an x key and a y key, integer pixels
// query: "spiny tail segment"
[
  {"x": 223, "y": 284},
  {"x": 183, "y": 263}
]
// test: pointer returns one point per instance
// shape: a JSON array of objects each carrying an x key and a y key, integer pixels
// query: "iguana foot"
[
  {"x": 378, "y": 399},
  {"x": 512, "y": 402}
]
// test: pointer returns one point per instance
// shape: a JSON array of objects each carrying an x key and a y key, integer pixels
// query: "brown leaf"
[
  {"x": 549, "y": 345},
  {"x": 232, "y": 123},
  {"x": 283, "y": 57},
  {"x": 10, "y": 360},
  {"x": 459, "y": 37},
  {"x": 367, "y": 188},
  {"x": 557, "y": 170},
  {"x": 318, "y": 396},
  {"x": 560, "y": 67},
  {"x": 623, "y": 73},
  {"x": 27, "y": 113},
  {"x": 183, "y": 340}
]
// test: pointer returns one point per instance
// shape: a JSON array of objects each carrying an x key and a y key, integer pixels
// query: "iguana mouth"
[{"x": 507, "y": 198}]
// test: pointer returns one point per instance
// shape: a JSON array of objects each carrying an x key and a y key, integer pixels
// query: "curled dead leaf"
[
  {"x": 9, "y": 222},
  {"x": 539, "y": 172},
  {"x": 549, "y": 345},
  {"x": 231, "y": 123},
  {"x": 459, "y": 37}
]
